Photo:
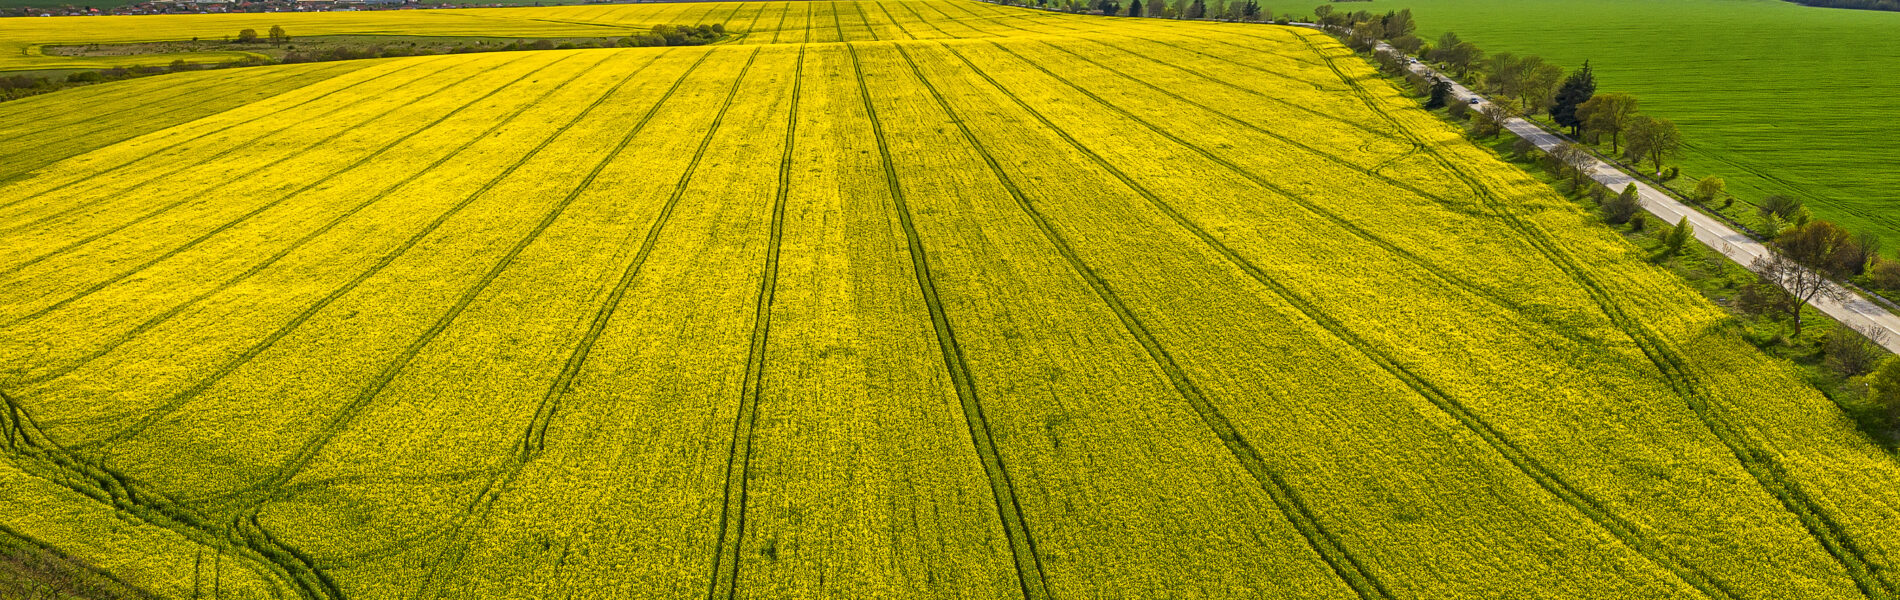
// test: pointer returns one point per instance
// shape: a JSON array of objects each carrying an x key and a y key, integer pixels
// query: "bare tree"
[
  {"x": 1804, "y": 261},
  {"x": 1581, "y": 164},
  {"x": 1854, "y": 351},
  {"x": 1797, "y": 285}
]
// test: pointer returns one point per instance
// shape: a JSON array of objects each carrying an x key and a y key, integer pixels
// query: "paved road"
[{"x": 1847, "y": 306}]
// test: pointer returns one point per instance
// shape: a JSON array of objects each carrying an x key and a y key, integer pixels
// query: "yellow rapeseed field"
[{"x": 881, "y": 299}]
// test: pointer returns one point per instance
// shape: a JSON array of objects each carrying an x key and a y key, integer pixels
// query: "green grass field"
[
  {"x": 887, "y": 299},
  {"x": 1775, "y": 97}
]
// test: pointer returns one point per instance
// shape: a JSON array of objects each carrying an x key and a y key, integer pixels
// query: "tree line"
[
  {"x": 1853, "y": 4},
  {"x": 1810, "y": 256},
  {"x": 1241, "y": 11}
]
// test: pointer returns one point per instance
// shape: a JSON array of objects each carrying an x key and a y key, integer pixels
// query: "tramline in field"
[{"x": 885, "y": 299}]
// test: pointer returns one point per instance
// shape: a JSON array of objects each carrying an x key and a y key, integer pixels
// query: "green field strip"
[
  {"x": 739, "y": 460},
  {"x": 1759, "y": 464},
  {"x": 1028, "y": 565},
  {"x": 1543, "y": 475},
  {"x": 166, "y": 408},
  {"x": 124, "y": 164},
  {"x": 1323, "y": 543},
  {"x": 160, "y": 318},
  {"x": 55, "y": 113},
  {"x": 87, "y": 207},
  {"x": 286, "y": 197}
]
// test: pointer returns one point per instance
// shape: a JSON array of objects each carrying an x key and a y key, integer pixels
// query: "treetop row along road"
[{"x": 1841, "y": 304}]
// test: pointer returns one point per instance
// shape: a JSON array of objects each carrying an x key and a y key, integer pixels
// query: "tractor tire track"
[
  {"x": 366, "y": 159},
  {"x": 163, "y": 176},
  {"x": 535, "y": 434},
  {"x": 725, "y": 573},
  {"x": 1760, "y": 464},
  {"x": 161, "y": 318},
  {"x": 893, "y": 21},
  {"x": 193, "y": 197},
  {"x": 1545, "y": 477},
  {"x": 1323, "y": 542},
  {"x": 343, "y": 418},
  {"x": 179, "y": 400},
  {"x": 28, "y": 446},
  {"x": 1525, "y": 313},
  {"x": 1029, "y": 574}
]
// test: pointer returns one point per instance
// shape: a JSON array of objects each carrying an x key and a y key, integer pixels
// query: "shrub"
[
  {"x": 1885, "y": 274},
  {"x": 1623, "y": 208},
  {"x": 1850, "y": 353}
]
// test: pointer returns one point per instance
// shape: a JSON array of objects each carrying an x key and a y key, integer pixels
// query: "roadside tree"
[
  {"x": 1576, "y": 89},
  {"x": 1608, "y": 114},
  {"x": 1654, "y": 140},
  {"x": 1805, "y": 259},
  {"x": 1580, "y": 165}
]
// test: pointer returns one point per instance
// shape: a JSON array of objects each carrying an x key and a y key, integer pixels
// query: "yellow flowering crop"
[{"x": 881, "y": 299}]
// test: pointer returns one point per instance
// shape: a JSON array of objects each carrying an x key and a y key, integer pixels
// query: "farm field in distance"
[
  {"x": 1774, "y": 97},
  {"x": 878, "y": 299}
]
